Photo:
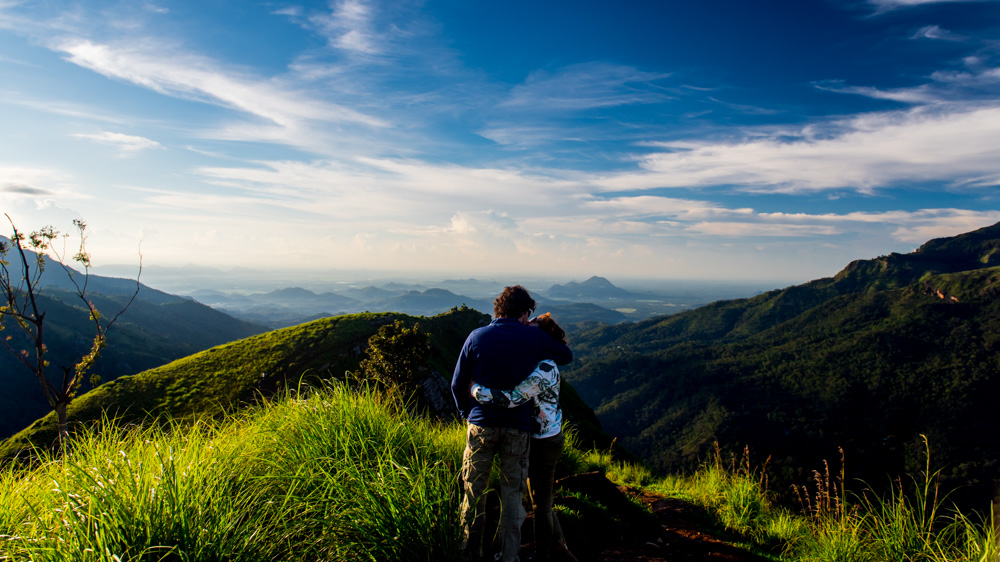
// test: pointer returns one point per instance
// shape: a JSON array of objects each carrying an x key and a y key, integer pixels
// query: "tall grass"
[
  {"x": 137, "y": 494},
  {"x": 340, "y": 475},
  {"x": 910, "y": 523},
  {"x": 362, "y": 481},
  {"x": 348, "y": 474}
]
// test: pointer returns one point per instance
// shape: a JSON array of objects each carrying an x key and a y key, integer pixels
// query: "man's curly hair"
[{"x": 513, "y": 302}]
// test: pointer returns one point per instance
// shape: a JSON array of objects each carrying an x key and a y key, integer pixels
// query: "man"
[{"x": 499, "y": 356}]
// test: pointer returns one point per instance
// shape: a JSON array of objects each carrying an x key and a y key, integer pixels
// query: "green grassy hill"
[
  {"x": 233, "y": 374},
  {"x": 224, "y": 378},
  {"x": 868, "y": 360}
]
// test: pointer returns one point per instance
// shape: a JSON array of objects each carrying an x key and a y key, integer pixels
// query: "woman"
[{"x": 547, "y": 439}]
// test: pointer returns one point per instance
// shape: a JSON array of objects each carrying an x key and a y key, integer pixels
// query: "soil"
[{"x": 670, "y": 529}]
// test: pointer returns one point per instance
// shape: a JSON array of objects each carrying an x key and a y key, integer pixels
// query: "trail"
[{"x": 677, "y": 531}]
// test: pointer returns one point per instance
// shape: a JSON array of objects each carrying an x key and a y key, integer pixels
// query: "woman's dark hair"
[
  {"x": 513, "y": 302},
  {"x": 549, "y": 326}
]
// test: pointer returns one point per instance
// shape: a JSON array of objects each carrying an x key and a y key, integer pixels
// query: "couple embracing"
[{"x": 506, "y": 384}]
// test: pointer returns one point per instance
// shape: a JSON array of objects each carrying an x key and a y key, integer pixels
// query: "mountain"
[
  {"x": 430, "y": 301},
  {"x": 297, "y": 296},
  {"x": 595, "y": 288},
  {"x": 286, "y": 307},
  {"x": 368, "y": 294},
  {"x": 621, "y": 305},
  {"x": 574, "y": 316},
  {"x": 156, "y": 329},
  {"x": 885, "y": 351},
  {"x": 225, "y": 377}
]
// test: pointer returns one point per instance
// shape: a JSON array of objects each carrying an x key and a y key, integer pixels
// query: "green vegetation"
[
  {"x": 348, "y": 474},
  {"x": 156, "y": 329},
  {"x": 887, "y": 350},
  {"x": 330, "y": 477},
  {"x": 397, "y": 356},
  {"x": 894, "y": 360},
  {"x": 20, "y": 285},
  {"x": 226, "y": 377}
]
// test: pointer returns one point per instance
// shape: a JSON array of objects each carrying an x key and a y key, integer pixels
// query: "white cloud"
[
  {"x": 525, "y": 136},
  {"x": 61, "y": 107},
  {"x": 22, "y": 181},
  {"x": 915, "y": 95},
  {"x": 192, "y": 77},
  {"x": 745, "y": 109},
  {"x": 941, "y": 223},
  {"x": 863, "y": 153},
  {"x": 886, "y": 5},
  {"x": 977, "y": 82},
  {"x": 127, "y": 145},
  {"x": 350, "y": 27},
  {"x": 752, "y": 230},
  {"x": 585, "y": 86},
  {"x": 936, "y": 32}
]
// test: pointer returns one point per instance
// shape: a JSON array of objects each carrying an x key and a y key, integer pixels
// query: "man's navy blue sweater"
[{"x": 500, "y": 356}]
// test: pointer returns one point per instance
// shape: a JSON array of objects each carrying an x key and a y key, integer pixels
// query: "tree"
[
  {"x": 20, "y": 284},
  {"x": 397, "y": 355}
]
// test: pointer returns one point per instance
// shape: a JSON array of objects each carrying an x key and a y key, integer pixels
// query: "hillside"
[
  {"x": 228, "y": 376},
  {"x": 156, "y": 329},
  {"x": 337, "y": 473},
  {"x": 868, "y": 360}
]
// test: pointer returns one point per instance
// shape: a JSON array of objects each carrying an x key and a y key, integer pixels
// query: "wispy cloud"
[
  {"x": 64, "y": 108},
  {"x": 350, "y": 27},
  {"x": 198, "y": 78},
  {"x": 941, "y": 223},
  {"x": 886, "y": 5},
  {"x": 380, "y": 187},
  {"x": 976, "y": 82},
  {"x": 863, "y": 153},
  {"x": 127, "y": 145},
  {"x": 753, "y": 230},
  {"x": 33, "y": 181},
  {"x": 916, "y": 95},
  {"x": 586, "y": 86},
  {"x": 747, "y": 109},
  {"x": 937, "y": 33},
  {"x": 566, "y": 105}
]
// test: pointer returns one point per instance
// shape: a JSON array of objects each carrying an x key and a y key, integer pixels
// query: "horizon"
[
  {"x": 180, "y": 281},
  {"x": 715, "y": 140}
]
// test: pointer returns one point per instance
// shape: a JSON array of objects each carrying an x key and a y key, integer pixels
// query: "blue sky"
[{"x": 677, "y": 140}]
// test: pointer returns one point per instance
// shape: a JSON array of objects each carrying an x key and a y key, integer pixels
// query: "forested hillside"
[{"x": 887, "y": 350}]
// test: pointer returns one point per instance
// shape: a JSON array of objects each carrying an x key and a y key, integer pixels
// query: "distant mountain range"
[
  {"x": 885, "y": 351},
  {"x": 576, "y": 305}
]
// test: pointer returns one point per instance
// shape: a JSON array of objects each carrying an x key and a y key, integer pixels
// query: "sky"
[{"x": 701, "y": 139}]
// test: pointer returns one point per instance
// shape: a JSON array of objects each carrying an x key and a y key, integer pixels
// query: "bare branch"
[
  {"x": 138, "y": 286},
  {"x": 20, "y": 289}
]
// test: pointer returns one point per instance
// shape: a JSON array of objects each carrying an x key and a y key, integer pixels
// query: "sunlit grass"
[
  {"x": 338, "y": 475},
  {"x": 343, "y": 473}
]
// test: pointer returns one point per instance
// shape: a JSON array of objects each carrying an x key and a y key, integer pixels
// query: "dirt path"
[{"x": 678, "y": 531}]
